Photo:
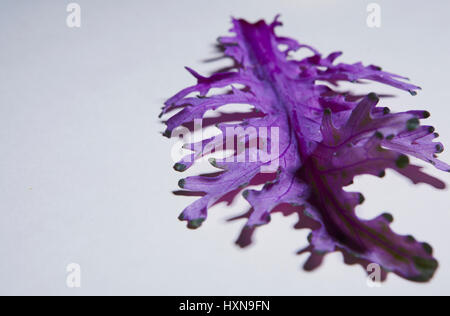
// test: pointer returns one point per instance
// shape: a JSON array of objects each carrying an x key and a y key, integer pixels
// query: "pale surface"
[{"x": 86, "y": 177}]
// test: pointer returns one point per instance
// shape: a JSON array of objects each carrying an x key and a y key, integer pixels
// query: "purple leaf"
[{"x": 323, "y": 140}]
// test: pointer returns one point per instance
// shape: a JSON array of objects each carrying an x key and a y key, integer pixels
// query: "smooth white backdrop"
[{"x": 86, "y": 176}]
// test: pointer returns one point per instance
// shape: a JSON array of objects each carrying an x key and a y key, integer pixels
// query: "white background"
[{"x": 86, "y": 176}]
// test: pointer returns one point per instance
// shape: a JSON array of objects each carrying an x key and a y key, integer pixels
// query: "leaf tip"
[
  {"x": 402, "y": 161},
  {"x": 179, "y": 167},
  {"x": 412, "y": 124},
  {"x": 426, "y": 267},
  {"x": 427, "y": 247},
  {"x": 373, "y": 97},
  {"x": 167, "y": 133},
  {"x": 195, "y": 223},
  {"x": 362, "y": 198},
  {"x": 388, "y": 217}
]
